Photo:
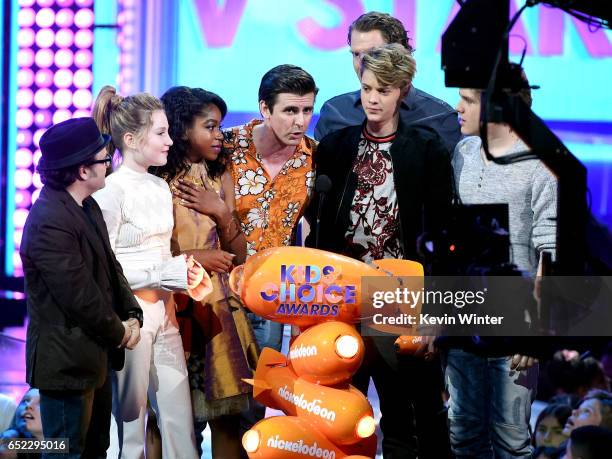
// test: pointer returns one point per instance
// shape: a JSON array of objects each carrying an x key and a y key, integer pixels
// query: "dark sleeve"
[
  {"x": 310, "y": 214},
  {"x": 127, "y": 304},
  {"x": 438, "y": 185},
  {"x": 446, "y": 125},
  {"x": 127, "y": 307},
  {"x": 450, "y": 131},
  {"x": 330, "y": 119},
  {"x": 55, "y": 251}
]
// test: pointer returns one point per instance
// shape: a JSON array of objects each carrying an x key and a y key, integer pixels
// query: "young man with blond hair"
[
  {"x": 390, "y": 182},
  {"x": 372, "y": 30}
]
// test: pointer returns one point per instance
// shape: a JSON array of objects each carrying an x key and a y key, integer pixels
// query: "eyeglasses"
[{"x": 108, "y": 161}]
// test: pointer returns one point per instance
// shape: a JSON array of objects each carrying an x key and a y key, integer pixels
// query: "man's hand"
[
  {"x": 131, "y": 335},
  {"x": 522, "y": 362},
  {"x": 427, "y": 350}
]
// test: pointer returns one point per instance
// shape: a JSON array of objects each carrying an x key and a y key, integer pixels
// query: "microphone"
[{"x": 322, "y": 185}]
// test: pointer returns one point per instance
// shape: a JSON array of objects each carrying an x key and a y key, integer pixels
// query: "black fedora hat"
[{"x": 70, "y": 143}]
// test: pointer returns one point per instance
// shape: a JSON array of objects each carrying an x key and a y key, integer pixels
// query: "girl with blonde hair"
[{"x": 137, "y": 209}]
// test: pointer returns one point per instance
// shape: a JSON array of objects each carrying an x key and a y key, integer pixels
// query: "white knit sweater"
[{"x": 137, "y": 209}]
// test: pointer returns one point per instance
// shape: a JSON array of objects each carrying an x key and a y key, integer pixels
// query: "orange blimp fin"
[
  {"x": 402, "y": 274},
  {"x": 408, "y": 344},
  {"x": 394, "y": 267},
  {"x": 268, "y": 359}
]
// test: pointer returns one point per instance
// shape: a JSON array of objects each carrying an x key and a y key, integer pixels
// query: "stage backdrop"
[{"x": 227, "y": 45}]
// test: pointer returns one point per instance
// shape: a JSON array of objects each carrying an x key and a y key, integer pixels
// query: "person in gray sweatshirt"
[{"x": 491, "y": 391}]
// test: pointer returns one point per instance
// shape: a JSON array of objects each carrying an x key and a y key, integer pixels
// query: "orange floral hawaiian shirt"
[{"x": 269, "y": 209}]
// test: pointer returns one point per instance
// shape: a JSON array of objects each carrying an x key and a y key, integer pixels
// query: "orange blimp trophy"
[{"x": 320, "y": 292}]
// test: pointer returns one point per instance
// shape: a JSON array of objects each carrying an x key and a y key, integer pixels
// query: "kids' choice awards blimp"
[{"x": 321, "y": 293}]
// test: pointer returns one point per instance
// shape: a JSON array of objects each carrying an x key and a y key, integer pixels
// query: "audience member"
[
  {"x": 595, "y": 409},
  {"x": 589, "y": 442},
  {"x": 546, "y": 452},
  {"x": 572, "y": 375},
  {"x": 26, "y": 423},
  {"x": 549, "y": 426},
  {"x": 7, "y": 411}
]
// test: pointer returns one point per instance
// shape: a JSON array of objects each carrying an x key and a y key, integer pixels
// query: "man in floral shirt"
[
  {"x": 271, "y": 164},
  {"x": 272, "y": 167}
]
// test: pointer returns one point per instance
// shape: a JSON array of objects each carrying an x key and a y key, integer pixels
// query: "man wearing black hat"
[{"x": 82, "y": 311}]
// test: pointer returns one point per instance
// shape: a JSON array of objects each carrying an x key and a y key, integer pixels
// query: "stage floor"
[{"x": 12, "y": 376}]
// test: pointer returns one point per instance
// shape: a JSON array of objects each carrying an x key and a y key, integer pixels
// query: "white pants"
[{"x": 155, "y": 367}]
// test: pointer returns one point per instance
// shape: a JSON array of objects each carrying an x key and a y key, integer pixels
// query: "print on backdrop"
[{"x": 220, "y": 24}]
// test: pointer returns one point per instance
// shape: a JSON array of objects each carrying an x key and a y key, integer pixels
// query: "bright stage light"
[
  {"x": 61, "y": 115},
  {"x": 44, "y": 58},
  {"x": 18, "y": 233},
  {"x": 62, "y": 98},
  {"x": 64, "y": 38},
  {"x": 35, "y": 195},
  {"x": 83, "y": 58},
  {"x": 44, "y": 78},
  {"x": 43, "y": 118},
  {"x": 25, "y": 58},
  {"x": 84, "y": 18},
  {"x": 35, "y": 158},
  {"x": 36, "y": 180},
  {"x": 82, "y": 98},
  {"x": 83, "y": 78},
  {"x": 23, "y": 199},
  {"x": 64, "y": 58},
  {"x": 26, "y": 17},
  {"x": 23, "y": 157},
  {"x": 24, "y": 138},
  {"x": 64, "y": 18},
  {"x": 53, "y": 36},
  {"x": 25, "y": 77},
  {"x": 19, "y": 218},
  {"x": 23, "y": 179},
  {"x": 25, "y": 98},
  {"x": 83, "y": 38},
  {"x": 37, "y": 135},
  {"x": 45, "y": 17},
  {"x": 366, "y": 427},
  {"x": 251, "y": 440},
  {"x": 347, "y": 346},
  {"x": 63, "y": 78},
  {"x": 24, "y": 118},
  {"x": 25, "y": 38},
  {"x": 45, "y": 38},
  {"x": 43, "y": 98}
]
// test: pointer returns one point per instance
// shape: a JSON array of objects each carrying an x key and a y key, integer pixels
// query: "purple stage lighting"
[
  {"x": 25, "y": 97},
  {"x": 54, "y": 82},
  {"x": 24, "y": 118},
  {"x": 25, "y": 38},
  {"x": 63, "y": 78}
]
